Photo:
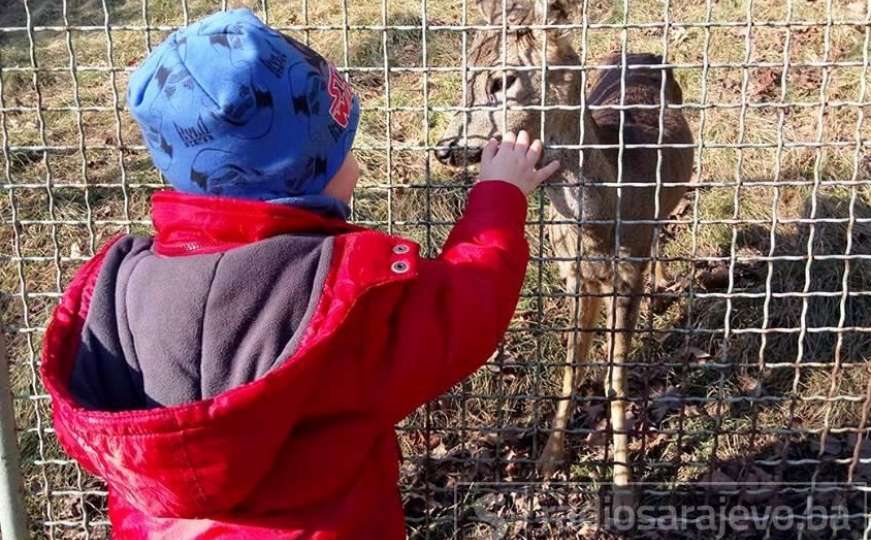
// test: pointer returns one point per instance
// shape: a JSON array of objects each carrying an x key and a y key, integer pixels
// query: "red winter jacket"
[{"x": 307, "y": 450}]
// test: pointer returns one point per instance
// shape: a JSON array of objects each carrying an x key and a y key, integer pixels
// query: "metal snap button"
[
  {"x": 399, "y": 267},
  {"x": 401, "y": 249}
]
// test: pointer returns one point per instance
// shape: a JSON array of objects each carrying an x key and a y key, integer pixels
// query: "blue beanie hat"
[{"x": 228, "y": 106}]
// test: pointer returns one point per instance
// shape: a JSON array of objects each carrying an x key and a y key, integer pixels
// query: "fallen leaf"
[
  {"x": 715, "y": 278},
  {"x": 807, "y": 79},
  {"x": 439, "y": 451},
  {"x": 766, "y": 83},
  {"x": 692, "y": 411},
  {"x": 696, "y": 354},
  {"x": 682, "y": 207},
  {"x": 650, "y": 441},
  {"x": 664, "y": 298},
  {"x": 749, "y": 385},
  {"x": 489, "y": 439}
]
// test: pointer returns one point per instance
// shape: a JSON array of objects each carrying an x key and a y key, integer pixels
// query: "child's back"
[
  {"x": 239, "y": 374},
  {"x": 165, "y": 331}
]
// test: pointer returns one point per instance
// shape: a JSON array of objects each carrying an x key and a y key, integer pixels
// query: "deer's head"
[{"x": 505, "y": 84}]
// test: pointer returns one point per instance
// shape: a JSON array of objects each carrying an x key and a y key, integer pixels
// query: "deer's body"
[
  {"x": 587, "y": 252},
  {"x": 593, "y": 255}
]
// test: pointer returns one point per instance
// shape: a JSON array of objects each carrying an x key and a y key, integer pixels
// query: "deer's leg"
[
  {"x": 577, "y": 350},
  {"x": 623, "y": 314}
]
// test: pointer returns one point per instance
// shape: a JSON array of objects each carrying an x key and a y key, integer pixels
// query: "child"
[{"x": 239, "y": 374}]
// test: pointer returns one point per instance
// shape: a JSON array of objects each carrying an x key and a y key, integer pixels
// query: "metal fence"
[{"x": 751, "y": 367}]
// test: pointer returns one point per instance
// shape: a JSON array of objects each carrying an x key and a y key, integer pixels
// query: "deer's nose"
[
  {"x": 445, "y": 151},
  {"x": 452, "y": 152}
]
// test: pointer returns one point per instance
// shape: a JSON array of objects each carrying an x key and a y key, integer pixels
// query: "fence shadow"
[
  {"x": 705, "y": 408},
  {"x": 751, "y": 407}
]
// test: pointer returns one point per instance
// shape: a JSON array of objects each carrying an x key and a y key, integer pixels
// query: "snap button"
[
  {"x": 401, "y": 249},
  {"x": 399, "y": 267}
]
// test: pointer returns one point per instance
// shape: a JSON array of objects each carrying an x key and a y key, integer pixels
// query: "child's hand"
[{"x": 513, "y": 161}]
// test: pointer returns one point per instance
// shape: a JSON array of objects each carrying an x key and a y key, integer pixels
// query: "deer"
[{"x": 586, "y": 199}]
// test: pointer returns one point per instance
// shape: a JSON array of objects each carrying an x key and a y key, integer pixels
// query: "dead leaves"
[
  {"x": 665, "y": 297},
  {"x": 755, "y": 484},
  {"x": 695, "y": 355},
  {"x": 714, "y": 277},
  {"x": 805, "y": 80},
  {"x": 766, "y": 83}
]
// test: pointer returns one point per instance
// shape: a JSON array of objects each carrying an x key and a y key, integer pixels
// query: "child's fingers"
[
  {"x": 546, "y": 172},
  {"x": 508, "y": 140},
  {"x": 489, "y": 150},
  {"x": 522, "y": 140},
  {"x": 534, "y": 153}
]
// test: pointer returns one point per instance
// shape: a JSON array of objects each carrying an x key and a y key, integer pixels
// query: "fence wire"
[{"x": 751, "y": 362}]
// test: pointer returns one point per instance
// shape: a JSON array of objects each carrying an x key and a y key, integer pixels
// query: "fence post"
[{"x": 13, "y": 518}]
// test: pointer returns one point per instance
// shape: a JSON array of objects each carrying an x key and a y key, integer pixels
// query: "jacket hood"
[{"x": 208, "y": 457}]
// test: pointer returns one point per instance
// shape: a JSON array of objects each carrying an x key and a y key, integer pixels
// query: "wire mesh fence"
[{"x": 750, "y": 367}]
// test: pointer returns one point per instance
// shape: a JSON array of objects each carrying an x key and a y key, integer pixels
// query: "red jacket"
[{"x": 308, "y": 450}]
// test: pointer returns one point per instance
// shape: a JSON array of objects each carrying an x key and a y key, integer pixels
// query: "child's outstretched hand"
[{"x": 513, "y": 161}]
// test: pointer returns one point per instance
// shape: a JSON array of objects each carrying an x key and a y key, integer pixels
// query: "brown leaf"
[
  {"x": 661, "y": 302},
  {"x": 808, "y": 79},
  {"x": 439, "y": 451},
  {"x": 651, "y": 440},
  {"x": 696, "y": 354},
  {"x": 685, "y": 204},
  {"x": 489, "y": 439},
  {"x": 766, "y": 83},
  {"x": 715, "y": 278},
  {"x": 692, "y": 411},
  {"x": 749, "y": 385}
]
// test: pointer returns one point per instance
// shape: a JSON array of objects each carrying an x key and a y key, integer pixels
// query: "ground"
[{"x": 753, "y": 366}]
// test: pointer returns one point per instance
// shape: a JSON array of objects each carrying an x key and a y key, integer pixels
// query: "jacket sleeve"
[{"x": 450, "y": 319}]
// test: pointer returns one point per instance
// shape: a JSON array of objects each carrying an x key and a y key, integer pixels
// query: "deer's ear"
[
  {"x": 555, "y": 12},
  {"x": 552, "y": 11}
]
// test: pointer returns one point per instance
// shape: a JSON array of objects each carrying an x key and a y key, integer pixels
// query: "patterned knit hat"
[{"x": 228, "y": 106}]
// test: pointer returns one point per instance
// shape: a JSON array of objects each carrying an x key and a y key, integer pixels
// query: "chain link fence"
[{"x": 750, "y": 370}]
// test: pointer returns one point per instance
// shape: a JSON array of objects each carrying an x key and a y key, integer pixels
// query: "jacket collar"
[{"x": 197, "y": 224}]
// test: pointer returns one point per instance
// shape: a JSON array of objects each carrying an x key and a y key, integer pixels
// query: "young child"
[{"x": 239, "y": 374}]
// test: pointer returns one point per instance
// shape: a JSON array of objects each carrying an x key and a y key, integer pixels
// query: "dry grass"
[{"x": 710, "y": 404}]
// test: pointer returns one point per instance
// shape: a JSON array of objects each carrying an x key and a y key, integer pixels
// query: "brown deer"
[{"x": 615, "y": 257}]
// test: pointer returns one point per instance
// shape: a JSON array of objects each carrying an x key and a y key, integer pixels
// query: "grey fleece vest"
[{"x": 165, "y": 331}]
